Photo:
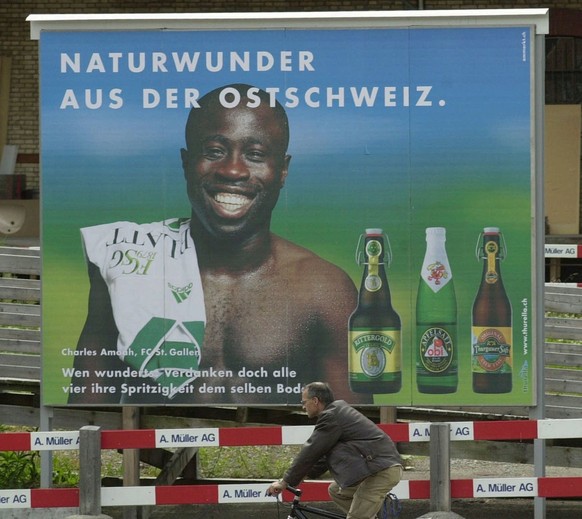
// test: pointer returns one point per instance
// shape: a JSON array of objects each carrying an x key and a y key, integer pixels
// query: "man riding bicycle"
[{"x": 362, "y": 459}]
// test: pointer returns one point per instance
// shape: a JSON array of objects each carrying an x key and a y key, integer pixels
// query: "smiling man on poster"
[{"x": 215, "y": 308}]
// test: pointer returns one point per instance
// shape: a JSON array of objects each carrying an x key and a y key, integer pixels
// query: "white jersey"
[{"x": 151, "y": 271}]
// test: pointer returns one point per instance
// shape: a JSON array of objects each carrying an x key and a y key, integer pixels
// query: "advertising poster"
[{"x": 215, "y": 204}]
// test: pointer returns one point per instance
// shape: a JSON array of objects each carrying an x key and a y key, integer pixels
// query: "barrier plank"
[
  {"x": 519, "y": 430},
  {"x": 245, "y": 492}
]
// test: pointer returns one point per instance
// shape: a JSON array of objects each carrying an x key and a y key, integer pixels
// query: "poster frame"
[{"x": 538, "y": 19}]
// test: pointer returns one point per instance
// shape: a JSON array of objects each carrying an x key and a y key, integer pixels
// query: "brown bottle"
[
  {"x": 491, "y": 330},
  {"x": 374, "y": 327}
]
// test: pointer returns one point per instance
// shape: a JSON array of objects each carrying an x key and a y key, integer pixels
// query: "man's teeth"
[{"x": 231, "y": 199}]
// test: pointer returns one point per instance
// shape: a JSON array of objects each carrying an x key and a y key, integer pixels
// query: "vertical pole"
[
  {"x": 46, "y": 457},
  {"x": 440, "y": 467},
  {"x": 90, "y": 477},
  {"x": 130, "y": 419},
  {"x": 5, "y": 68},
  {"x": 538, "y": 411},
  {"x": 387, "y": 414}
]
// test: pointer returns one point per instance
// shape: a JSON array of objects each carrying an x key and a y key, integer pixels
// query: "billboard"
[{"x": 214, "y": 202}]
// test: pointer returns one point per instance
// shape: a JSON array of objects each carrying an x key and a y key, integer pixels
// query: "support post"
[
  {"x": 90, "y": 474},
  {"x": 387, "y": 414},
  {"x": 131, "y": 475},
  {"x": 90, "y": 477},
  {"x": 440, "y": 467},
  {"x": 46, "y": 457},
  {"x": 538, "y": 411},
  {"x": 440, "y": 473}
]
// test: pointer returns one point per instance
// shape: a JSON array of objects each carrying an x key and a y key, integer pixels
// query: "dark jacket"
[{"x": 347, "y": 443}]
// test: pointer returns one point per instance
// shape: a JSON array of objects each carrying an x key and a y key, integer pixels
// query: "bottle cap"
[
  {"x": 436, "y": 231},
  {"x": 374, "y": 232},
  {"x": 490, "y": 231}
]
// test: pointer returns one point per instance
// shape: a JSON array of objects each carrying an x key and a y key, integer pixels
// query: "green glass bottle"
[
  {"x": 374, "y": 326},
  {"x": 436, "y": 319}
]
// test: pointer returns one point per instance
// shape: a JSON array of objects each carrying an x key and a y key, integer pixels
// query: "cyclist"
[{"x": 362, "y": 459}]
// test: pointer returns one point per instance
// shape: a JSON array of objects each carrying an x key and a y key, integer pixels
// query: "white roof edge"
[{"x": 292, "y": 20}]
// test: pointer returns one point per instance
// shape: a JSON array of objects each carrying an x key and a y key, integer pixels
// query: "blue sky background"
[{"x": 471, "y": 79}]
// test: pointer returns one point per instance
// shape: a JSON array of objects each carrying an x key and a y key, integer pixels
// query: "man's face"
[
  {"x": 235, "y": 167},
  {"x": 310, "y": 404}
]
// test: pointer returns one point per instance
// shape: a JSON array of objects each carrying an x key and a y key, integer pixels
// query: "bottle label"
[
  {"x": 436, "y": 349},
  {"x": 374, "y": 352},
  {"x": 373, "y": 283},
  {"x": 491, "y": 349},
  {"x": 491, "y": 249},
  {"x": 436, "y": 274}
]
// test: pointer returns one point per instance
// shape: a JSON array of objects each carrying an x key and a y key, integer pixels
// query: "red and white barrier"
[
  {"x": 286, "y": 435},
  {"x": 528, "y": 487},
  {"x": 562, "y": 251}
]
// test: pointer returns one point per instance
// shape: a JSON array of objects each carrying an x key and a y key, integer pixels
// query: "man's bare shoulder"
[{"x": 299, "y": 259}]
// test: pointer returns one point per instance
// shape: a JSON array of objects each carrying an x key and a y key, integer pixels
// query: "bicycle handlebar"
[
  {"x": 293, "y": 490},
  {"x": 296, "y": 491}
]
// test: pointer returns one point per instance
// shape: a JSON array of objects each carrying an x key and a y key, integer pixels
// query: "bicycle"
[{"x": 299, "y": 510}]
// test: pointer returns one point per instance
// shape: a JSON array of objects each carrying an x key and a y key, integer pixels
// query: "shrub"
[{"x": 19, "y": 470}]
